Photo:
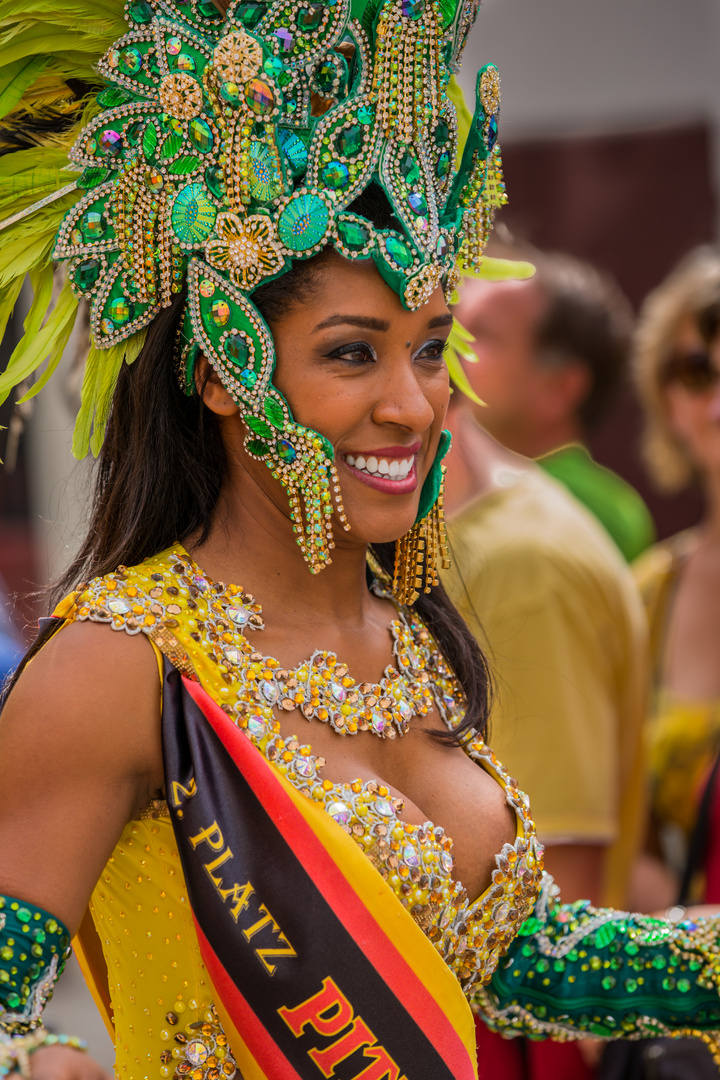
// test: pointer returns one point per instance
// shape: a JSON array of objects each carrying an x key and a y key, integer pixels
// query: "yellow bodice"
[{"x": 158, "y": 985}]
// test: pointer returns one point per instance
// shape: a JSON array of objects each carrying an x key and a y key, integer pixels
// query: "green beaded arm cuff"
[
  {"x": 576, "y": 971},
  {"x": 33, "y": 949}
]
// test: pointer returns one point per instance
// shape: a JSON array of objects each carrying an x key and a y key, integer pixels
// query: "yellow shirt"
[{"x": 554, "y": 606}]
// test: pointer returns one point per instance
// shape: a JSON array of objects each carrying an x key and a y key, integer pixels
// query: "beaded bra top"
[{"x": 210, "y": 631}]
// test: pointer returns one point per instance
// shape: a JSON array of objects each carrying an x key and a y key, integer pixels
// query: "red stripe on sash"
[
  {"x": 261, "y": 1045},
  {"x": 329, "y": 879}
]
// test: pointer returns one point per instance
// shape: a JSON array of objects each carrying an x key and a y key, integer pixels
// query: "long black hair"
[{"x": 162, "y": 465}]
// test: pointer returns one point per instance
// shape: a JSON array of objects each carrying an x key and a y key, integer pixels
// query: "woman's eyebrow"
[
  {"x": 366, "y": 322},
  {"x": 440, "y": 320}
]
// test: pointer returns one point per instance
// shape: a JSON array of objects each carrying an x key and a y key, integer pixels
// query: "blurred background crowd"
[{"x": 584, "y": 497}]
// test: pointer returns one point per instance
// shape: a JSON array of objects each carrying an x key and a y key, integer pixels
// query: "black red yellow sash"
[{"x": 318, "y": 970}]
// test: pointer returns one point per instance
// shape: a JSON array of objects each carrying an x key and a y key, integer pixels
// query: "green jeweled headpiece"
[{"x": 225, "y": 148}]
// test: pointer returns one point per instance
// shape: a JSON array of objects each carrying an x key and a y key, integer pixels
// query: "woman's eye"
[
  {"x": 432, "y": 350},
  {"x": 357, "y": 353}
]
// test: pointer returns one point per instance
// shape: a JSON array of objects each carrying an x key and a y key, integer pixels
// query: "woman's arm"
[
  {"x": 81, "y": 755},
  {"x": 575, "y": 970}
]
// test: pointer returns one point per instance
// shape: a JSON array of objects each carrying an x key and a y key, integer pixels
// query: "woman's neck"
[{"x": 252, "y": 544}]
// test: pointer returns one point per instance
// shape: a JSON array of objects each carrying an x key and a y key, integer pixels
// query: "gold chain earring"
[{"x": 421, "y": 552}]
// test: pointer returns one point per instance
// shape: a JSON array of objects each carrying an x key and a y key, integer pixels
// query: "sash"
[{"x": 317, "y": 968}]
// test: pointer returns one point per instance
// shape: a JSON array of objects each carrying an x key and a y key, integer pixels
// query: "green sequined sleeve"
[{"x": 575, "y": 970}]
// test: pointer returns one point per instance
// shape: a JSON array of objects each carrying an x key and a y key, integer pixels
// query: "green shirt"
[{"x": 615, "y": 504}]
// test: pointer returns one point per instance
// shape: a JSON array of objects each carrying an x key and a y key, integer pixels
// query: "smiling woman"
[{"x": 268, "y": 234}]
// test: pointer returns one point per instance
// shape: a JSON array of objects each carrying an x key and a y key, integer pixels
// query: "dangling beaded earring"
[{"x": 422, "y": 551}]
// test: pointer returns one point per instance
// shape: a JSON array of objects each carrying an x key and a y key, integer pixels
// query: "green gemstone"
[
  {"x": 335, "y": 175},
  {"x": 398, "y": 252},
  {"x": 303, "y": 223},
  {"x": 441, "y": 133},
  {"x": 250, "y": 13},
  {"x": 668, "y": 984},
  {"x": 207, "y": 10},
  {"x": 353, "y": 235},
  {"x": 285, "y": 451},
  {"x": 274, "y": 412},
  {"x": 200, "y": 135},
  {"x": 608, "y": 982},
  {"x": 409, "y": 168},
  {"x": 273, "y": 67},
  {"x": 631, "y": 985},
  {"x": 310, "y": 17},
  {"x": 120, "y": 311},
  {"x": 23, "y": 915},
  {"x": 443, "y": 165},
  {"x": 86, "y": 274},
  {"x": 215, "y": 181},
  {"x": 366, "y": 114},
  {"x": 248, "y": 378},
  {"x": 350, "y": 140},
  {"x": 140, "y": 11},
  {"x": 92, "y": 177},
  {"x": 193, "y": 215},
  {"x": 236, "y": 349},
  {"x": 93, "y": 225},
  {"x": 130, "y": 61},
  {"x": 684, "y": 985},
  {"x": 327, "y": 78},
  {"x": 184, "y": 62},
  {"x": 13, "y": 1000}
]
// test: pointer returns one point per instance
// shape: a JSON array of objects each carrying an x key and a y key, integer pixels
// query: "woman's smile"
[{"x": 390, "y": 469}]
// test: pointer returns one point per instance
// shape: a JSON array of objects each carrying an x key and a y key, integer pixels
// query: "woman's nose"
[{"x": 402, "y": 400}]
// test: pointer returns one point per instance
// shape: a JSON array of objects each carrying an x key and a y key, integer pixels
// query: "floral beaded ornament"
[{"x": 227, "y": 147}]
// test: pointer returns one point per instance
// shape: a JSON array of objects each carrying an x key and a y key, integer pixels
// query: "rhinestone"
[
  {"x": 196, "y": 1052},
  {"x": 309, "y": 18},
  {"x": 304, "y": 767},
  {"x": 250, "y": 13},
  {"x": 200, "y": 135},
  {"x": 383, "y": 807},
  {"x": 93, "y": 225},
  {"x": 130, "y": 61},
  {"x": 236, "y": 349},
  {"x": 259, "y": 97},
  {"x": 230, "y": 92},
  {"x": 234, "y": 656},
  {"x": 207, "y": 10},
  {"x": 350, "y": 140},
  {"x": 446, "y": 861},
  {"x": 248, "y": 378},
  {"x": 326, "y": 77},
  {"x": 410, "y": 856},
  {"x": 256, "y": 726},
  {"x": 501, "y": 912},
  {"x": 378, "y": 721},
  {"x": 409, "y": 168},
  {"x": 335, "y": 175},
  {"x": 294, "y": 149},
  {"x": 107, "y": 326},
  {"x": 353, "y": 235},
  {"x": 285, "y": 38},
  {"x": 441, "y": 250},
  {"x": 273, "y": 67},
  {"x": 269, "y": 691},
  {"x": 287, "y": 453},
  {"x": 120, "y": 311},
  {"x": 412, "y": 9},
  {"x": 443, "y": 165},
  {"x": 153, "y": 180},
  {"x": 340, "y": 812},
  {"x": 338, "y": 691},
  {"x": 207, "y": 287},
  {"x": 220, "y": 312},
  {"x": 86, "y": 273},
  {"x": 405, "y": 711},
  {"x": 491, "y": 132},
  {"x": 76, "y": 237},
  {"x": 185, "y": 63},
  {"x": 118, "y": 607},
  {"x": 398, "y": 252},
  {"x": 174, "y": 45},
  {"x": 366, "y": 114},
  {"x": 441, "y": 134},
  {"x": 215, "y": 181},
  {"x": 240, "y": 616},
  {"x": 193, "y": 215},
  {"x": 140, "y": 11},
  {"x": 111, "y": 142},
  {"x": 417, "y": 202},
  {"x": 200, "y": 582}
]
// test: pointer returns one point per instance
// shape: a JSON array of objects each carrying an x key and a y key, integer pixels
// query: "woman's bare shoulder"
[{"x": 91, "y": 687}]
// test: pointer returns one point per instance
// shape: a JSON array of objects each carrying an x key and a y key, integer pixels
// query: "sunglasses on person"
[{"x": 695, "y": 371}]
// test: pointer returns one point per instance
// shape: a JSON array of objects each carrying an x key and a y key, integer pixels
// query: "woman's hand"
[{"x": 64, "y": 1063}]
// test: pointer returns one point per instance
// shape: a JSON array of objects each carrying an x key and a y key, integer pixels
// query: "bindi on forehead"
[{"x": 407, "y": 344}]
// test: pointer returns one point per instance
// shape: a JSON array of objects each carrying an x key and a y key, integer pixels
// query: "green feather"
[
  {"x": 502, "y": 270},
  {"x": 16, "y": 78},
  {"x": 29, "y": 354},
  {"x": 83, "y": 423},
  {"x": 456, "y": 351},
  {"x": 109, "y": 368},
  {"x": 464, "y": 116},
  {"x": 8, "y": 298}
]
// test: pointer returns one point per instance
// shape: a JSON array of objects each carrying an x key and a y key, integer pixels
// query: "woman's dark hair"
[{"x": 162, "y": 465}]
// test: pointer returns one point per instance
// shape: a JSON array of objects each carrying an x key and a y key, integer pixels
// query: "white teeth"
[{"x": 395, "y": 469}]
